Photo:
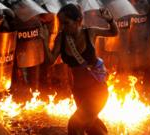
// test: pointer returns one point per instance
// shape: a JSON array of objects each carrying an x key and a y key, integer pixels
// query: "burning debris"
[
  {"x": 123, "y": 114},
  {"x": 36, "y": 116},
  {"x": 124, "y": 110}
]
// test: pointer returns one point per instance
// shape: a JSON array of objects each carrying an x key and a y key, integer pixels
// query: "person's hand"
[{"x": 105, "y": 14}]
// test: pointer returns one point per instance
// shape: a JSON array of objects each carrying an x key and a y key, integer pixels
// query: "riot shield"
[
  {"x": 53, "y": 5},
  {"x": 139, "y": 34},
  {"x": 30, "y": 48},
  {"x": 88, "y": 5},
  {"x": 91, "y": 13},
  {"x": 29, "y": 51},
  {"x": 26, "y": 9},
  {"x": 3, "y": 7},
  {"x": 142, "y": 6},
  {"x": 7, "y": 50},
  {"x": 117, "y": 47},
  {"x": 120, "y": 8}
]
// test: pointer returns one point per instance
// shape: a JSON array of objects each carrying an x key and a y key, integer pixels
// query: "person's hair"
[{"x": 71, "y": 11}]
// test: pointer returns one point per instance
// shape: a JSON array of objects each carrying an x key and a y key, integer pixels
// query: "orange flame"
[
  {"x": 130, "y": 111},
  {"x": 63, "y": 108},
  {"x": 9, "y": 108},
  {"x": 126, "y": 111}
]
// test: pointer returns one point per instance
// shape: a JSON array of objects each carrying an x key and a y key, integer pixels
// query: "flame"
[
  {"x": 5, "y": 83},
  {"x": 125, "y": 110},
  {"x": 62, "y": 108},
  {"x": 35, "y": 104},
  {"x": 9, "y": 108}
]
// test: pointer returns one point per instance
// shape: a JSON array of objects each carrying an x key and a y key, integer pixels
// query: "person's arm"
[
  {"x": 112, "y": 30},
  {"x": 56, "y": 49}
]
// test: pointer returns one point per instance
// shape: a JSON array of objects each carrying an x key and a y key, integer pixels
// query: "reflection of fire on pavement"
[{"x": 123, "y": 114}]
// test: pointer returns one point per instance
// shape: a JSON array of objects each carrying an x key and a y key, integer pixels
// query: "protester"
[{"x": 75, "y": 44}]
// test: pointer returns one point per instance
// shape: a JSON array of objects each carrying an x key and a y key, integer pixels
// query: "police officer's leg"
[{"x": 33, "y": 77}]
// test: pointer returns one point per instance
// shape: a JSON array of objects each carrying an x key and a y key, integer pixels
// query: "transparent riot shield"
[
  {"x": 52, "y": 5},
  {"x": 120, "y": 8},
  {"x": 92, "y": 16},
  {"x": 30, "y": 50},
  {"x": 139, "y": 34},
  {"x": 26, "y": 9},
  {"x": 7, "y": 50},
  {"x": 142, "y": 6}
]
